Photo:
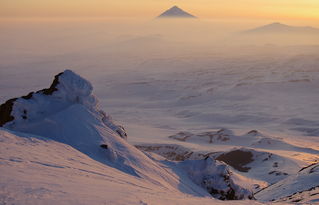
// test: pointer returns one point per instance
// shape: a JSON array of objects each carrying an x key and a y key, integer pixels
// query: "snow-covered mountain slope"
[
  {"x": 38, "y": 170},
  {"x": 70, "y": 115},
  {"x": 301, "y": 187},
  {"x": 57, "y": 139}
]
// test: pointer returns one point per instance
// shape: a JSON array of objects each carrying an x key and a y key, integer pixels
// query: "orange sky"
[{"x": 281, "y": 9}]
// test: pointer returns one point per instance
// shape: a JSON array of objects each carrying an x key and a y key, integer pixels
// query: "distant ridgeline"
[{"x": 283, "y": 28}]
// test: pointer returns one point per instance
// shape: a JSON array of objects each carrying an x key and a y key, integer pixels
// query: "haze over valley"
[{"x": 167, "y": 110}]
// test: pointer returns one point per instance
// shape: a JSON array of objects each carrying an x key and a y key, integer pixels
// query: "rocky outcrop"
[
  {"x": 7, "y": 107},
  {"x": 67, "y": 89},
  {"x": 221, "y": 135},
  {"x": 216, "y": 178}
]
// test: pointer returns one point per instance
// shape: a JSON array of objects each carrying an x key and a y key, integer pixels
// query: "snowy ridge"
[
  {"x": 67, "y": 89},
  {"x": 291, "y": 188},
  {"x": 67, "y": 121},
  {"x": 70, "y": 115}
]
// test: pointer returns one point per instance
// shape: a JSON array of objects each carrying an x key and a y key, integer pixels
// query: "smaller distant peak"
[
  {"x": 281, "y": 28},
  {"x": 277, "y": 24}
]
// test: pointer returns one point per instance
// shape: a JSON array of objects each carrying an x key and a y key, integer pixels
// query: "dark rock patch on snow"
[
  {"x": 237, "y": 159},
  {"x": 7, "y": 107},
  {"x": 5, "y": 111}
]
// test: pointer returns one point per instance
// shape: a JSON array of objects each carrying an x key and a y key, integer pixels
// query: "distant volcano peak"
[
  {"x": 175, "y": 12},
  {"x": 278, "y": 27}
]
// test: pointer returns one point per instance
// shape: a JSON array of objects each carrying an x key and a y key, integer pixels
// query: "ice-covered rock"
[
  {"x": 216, "y": 178},
  {"x": 67, "y": 89}
]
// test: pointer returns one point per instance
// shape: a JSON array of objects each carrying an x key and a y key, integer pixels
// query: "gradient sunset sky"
[{"x": 281, "y": 9}]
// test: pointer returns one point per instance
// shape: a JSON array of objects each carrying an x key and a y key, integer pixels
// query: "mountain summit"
[
  {"x": 282, "y": 28},
  {"x": 176, "y": 12}
]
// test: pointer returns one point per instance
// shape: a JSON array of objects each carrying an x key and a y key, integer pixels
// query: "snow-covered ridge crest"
[
  {"x": 68, "y": 113},
  {"x": 67, "y": 89}
]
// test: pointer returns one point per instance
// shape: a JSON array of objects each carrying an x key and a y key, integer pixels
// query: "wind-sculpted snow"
[
  {"x": 66, "y": 90},
  {"x": 216, "y": 178},
  {"x": 301, "y": 187}
]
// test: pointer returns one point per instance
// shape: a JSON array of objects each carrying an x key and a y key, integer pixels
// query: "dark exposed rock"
[
  {"x": 310, "y": 165},
  {"x": 170, "y": 152},
  {"x": 253, "y": 132},
  {"x": 104, "y": 146},
  {"x": 181, "y": 136},
  {"x": 53, "y": 87},
  {"x": 221, "y": 135},
  {"x": 5, "y": 111},
  {"x": 121, "y": 131},
  {"x": 7, "y": 107},
  {"x": 278, "y": 173},
  {"x": 237, "y": 159}
]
